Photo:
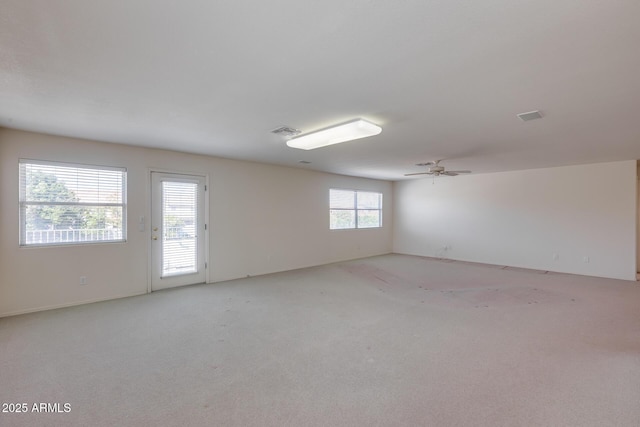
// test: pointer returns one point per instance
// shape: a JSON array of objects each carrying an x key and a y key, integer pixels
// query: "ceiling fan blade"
[
  {"x": 418, "y": 173},
  {"x": 449, "y": 173},
  {"x": 460, "y": 171}
]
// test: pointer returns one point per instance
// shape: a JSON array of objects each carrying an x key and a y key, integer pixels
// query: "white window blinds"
[
  {"x": 179, "y": 222},
  {"x": 65, "y": 203}
]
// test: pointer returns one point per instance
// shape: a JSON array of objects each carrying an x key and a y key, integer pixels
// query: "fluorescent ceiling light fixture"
[{"x": 349, "y": 131}]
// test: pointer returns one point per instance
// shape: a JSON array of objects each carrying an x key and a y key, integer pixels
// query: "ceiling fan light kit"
[
  {"x": 349, "y": 131},
  {"x": 436, "y": 170}
]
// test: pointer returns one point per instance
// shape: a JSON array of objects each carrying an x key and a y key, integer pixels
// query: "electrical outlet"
[
  {"x": 586, "y": 260},
  {"x": 556, "y": 257},
  {"x": 83, "y": 280}
]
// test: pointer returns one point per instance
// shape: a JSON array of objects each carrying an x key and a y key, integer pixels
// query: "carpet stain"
[
  {"x": 394, "y": 285},
  {"x": 372, "y": 273},
  {"x": 381, "y": 279},
  {"x": 500, "y": 297}
]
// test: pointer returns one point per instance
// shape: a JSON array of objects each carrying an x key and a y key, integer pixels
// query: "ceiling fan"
[{"x": 436, "y": 170}]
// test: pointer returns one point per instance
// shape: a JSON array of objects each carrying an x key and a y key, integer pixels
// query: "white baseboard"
[{"x": 53, "y": 307}]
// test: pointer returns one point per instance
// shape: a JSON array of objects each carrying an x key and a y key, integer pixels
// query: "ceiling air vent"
[
  {"x": 531, "y": 115},
  {"x": 286, "y": 131}
]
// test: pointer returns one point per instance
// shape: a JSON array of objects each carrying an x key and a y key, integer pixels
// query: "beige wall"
[
  {"x": 523, "y": 218},
  {"x": 262, "y": 219}
]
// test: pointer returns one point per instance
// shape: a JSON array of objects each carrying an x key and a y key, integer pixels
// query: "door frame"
[{"x": 146, "y": 221}]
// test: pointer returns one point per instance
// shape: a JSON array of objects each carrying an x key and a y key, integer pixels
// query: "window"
[
  {"x": 68, "y": 204},
  {"x": 354, "y": 209}
]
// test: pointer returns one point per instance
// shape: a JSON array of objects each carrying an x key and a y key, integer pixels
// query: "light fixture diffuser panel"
[{"x": 350, "y": 131}]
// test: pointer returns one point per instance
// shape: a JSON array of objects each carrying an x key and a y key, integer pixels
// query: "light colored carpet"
[{"x": 385, "y": 341}]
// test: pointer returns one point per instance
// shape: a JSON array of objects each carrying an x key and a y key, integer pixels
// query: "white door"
[{"x": 177, "y": 230}]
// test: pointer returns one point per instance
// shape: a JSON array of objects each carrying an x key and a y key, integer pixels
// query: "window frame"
[
  {"x": 23, "y": 203},
  {"x": 355, "y": 209}
]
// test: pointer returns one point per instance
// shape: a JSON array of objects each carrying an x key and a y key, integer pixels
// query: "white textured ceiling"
[{"x": 445, "y": 79}]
